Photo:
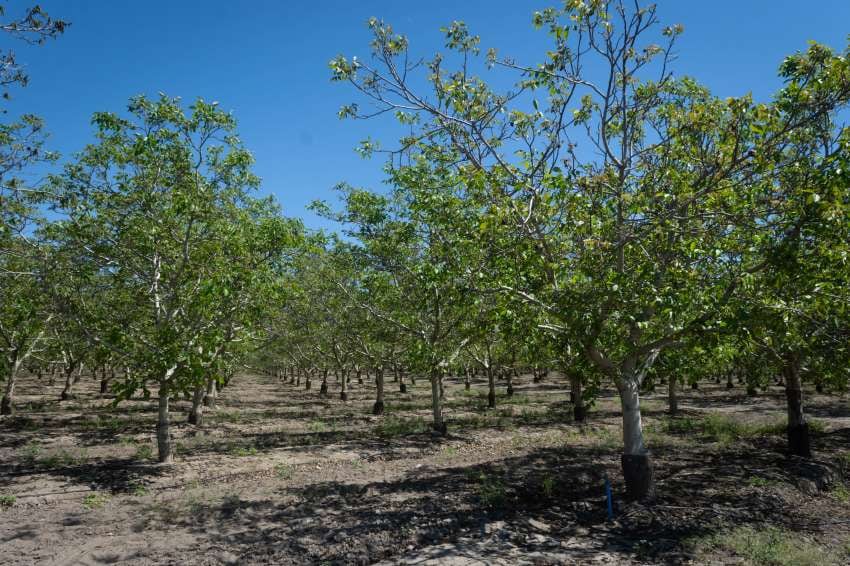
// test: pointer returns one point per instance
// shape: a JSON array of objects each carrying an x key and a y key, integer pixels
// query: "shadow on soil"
[{"x": 550, "y": 501}]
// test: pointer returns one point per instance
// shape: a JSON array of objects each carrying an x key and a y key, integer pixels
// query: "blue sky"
[{"x": 267, "y": 61}]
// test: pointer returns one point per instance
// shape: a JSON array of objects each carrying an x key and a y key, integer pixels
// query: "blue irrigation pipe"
[{"x": 609, "y": 498}]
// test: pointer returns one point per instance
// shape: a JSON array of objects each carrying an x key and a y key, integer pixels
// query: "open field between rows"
[{"x": 281, "y": 475}]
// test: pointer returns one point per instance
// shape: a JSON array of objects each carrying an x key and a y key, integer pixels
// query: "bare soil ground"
[{"x": 279, "y": 475}]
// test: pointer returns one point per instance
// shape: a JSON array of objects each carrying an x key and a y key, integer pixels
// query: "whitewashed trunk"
[
  {"x": 436, "y": 402},
  {"x": 163, "y": 428},
  {"x": 7, "y": 403},
  {"x": 636, "y": 461}
]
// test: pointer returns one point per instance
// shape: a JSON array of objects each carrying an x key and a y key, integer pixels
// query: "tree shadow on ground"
[
  {"x": 549, "y": 502},
  {"x": 117, "y": 475}
]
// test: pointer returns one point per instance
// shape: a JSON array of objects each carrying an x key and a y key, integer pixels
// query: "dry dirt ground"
[{"x": 279, "y": 475}]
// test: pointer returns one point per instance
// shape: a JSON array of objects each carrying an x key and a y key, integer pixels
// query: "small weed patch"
[
  {"x": 95, "y": 500},
  {"x": 449, "y": 451},
  {"x": 841, "y": 493},
  {"x": 394, "y": 426},
  {"x": 317, "y": 426},
  {"x": 768, "y": 546},
  {"x": 490, "y": 490},
  {"x": 284, "y": 471},
  {"x": 547, "y": 486},
  {"x": 144, "y": 452},
  {"x": 725, "y": 430},
  {"x": 757, "y": 481},
  {"x": 242, "y": 451}
]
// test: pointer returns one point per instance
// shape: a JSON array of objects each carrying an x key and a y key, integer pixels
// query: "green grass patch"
[
  {"x": 490, "y": 490},
  {"x": 30, "y": 452},
  {"x": 144, "y": 452},
  {"x": 318, "y": 425},
  {"x": 107, "y": 423},
  {"x": 394, "y": 426},
  {"x": 137, "y": 489},
  {"x": 841, "y": 493},
  {"x": 284, "y": 471},
  {"x": 767, "y": 546},
  {"x": 95, "y": 500},
  {"x": 547, "y": 485},
  {"x": 516, "y": 400},
  {"x": 242, "y": 451},
  {"x": 33, "y": 454},
  {"x": 726, "y": 430},
  {"x": 7, "y": 500},
  {"x": 758, "y": 481},
  {"x": 405, "y": 406},
  {"x": 471, "y": 422},
  {"x": 449, "y": 451}
]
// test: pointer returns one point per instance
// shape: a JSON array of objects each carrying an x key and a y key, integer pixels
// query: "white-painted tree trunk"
[
  {"x": 672, "y": 396},
  {"x": 7, "y": 403},
  {"x": 163, "y": 427},
  {"x": 436, "y": 402},
  {"x": 636, "y": 461},
  {"x": 632, "y": 426}
]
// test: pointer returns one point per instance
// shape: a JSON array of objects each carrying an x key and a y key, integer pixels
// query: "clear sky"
[{"x": 267, "y": 61}]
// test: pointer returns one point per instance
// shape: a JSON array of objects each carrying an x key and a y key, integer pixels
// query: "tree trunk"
[
  {"x": 69, "y": 382},
  {"x": 636, "y": 461},
  {"x": 672, "y": 396},
  {"x": 577, "y": 398},
  {"x": 212, "y": 393},
  {"x": 436, "y": 404},
  {"x": 343, "y": 392},
  {"x": 402, "y": 386},
  {"x": 163, "y": 428},
  {"x": 323, "y": 389},
  {"x": 378, "y": 407},
  {"x": 695, "y": 385},
  {"x": 7, "y": 403},
  {"x": 105, "y": 377},
  {"x": 799, "y": 443},
  {"x": 466, "y": 379},
  {"x": 729, "y": 383},
  {"x": 510, "y": 377},
  {"x": 491, "y": 387},
  {"x": 196, "y": 413}
]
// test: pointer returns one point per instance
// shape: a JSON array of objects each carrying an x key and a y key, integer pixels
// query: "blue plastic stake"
[{"x": 608, "y": 497}]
